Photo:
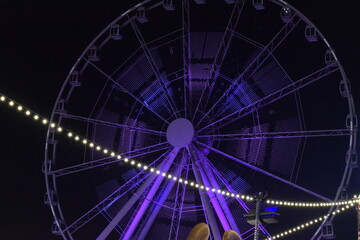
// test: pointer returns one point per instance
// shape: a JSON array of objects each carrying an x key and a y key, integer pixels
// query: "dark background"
[{"x": 40, "y": 42}]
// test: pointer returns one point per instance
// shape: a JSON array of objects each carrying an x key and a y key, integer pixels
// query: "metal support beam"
[
  {"x": 178, "y": 205},
  {"x": 151, "y": 216},
  {"x": 186, "y": 55},
  {"x": 273, "y": 97},
  {"x": 208, "y": 173},
  {"x": 119, "y": 216},
  {"x": 257, "y": 169},
  {"x": 260, "y": 59},
  {"x": 205, "y": 198},
  {"x": 273, "y": 135},
  {"x": 222, "y": 50},
  {"x": 153, "y": 66}
]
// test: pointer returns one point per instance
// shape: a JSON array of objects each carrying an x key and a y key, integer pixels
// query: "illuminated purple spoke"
[
  {"x": 153, "y": 66},
  {"x": 275, "y": 96},
  {"x": 157, "y": 179},
  {"x": 264, "y": 54},
  {"x": 111, "y": 124},
  {"x": 186, "y": 55},
  {"x": 222, "y": 50},
  {"x": 105, "y": 161},
  {"x": 109, "y": 200},
  {"x": 257, "y": 169},
  {"x": 273, "y": 135},
  {"x": 125, "y": 90}
]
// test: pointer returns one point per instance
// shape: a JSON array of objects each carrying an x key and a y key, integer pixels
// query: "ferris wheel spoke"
[
  {"x": 111, "y": 198},
  {"x": 221, "y": 53},
  {"x": 153, "y": 182},
  {"x": 186, "y": 56},
  {"x": 179, "y": 202},
  {"x": 273, "y": 97},
  {"x": 154, "y": 67},
  {"x": 208, "y": 175},
  {"x": 273, "y": 135},
  {"x": 149, "y": 209},
  {"x": 112, "y": 124},
  {"x": 125, "y": 90},
  {"x": 106, "y": 161},
  {"x": 264, "y": 54},
  {"x": 262, "y": 171},
  {"x": 231, "y": 189}
]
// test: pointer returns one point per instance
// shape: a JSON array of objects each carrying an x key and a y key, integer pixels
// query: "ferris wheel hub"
[{"x": 180, "y": 132}]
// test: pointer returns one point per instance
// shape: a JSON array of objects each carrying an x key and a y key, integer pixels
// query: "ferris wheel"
[{"x": 241, "y": 95}]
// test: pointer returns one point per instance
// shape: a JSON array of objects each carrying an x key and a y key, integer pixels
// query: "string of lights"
[
  {"x": 136, "y": 164},
  {"x": 310, "y": 223}
]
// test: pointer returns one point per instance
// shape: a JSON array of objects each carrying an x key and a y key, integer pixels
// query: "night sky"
[{"x": 40, "y": 42}]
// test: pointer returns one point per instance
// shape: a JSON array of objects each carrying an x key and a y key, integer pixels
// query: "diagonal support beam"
[
  {"x": 210, "y": 178},
  {"x": 205, "y": 199},
  {"x": 153, "y": 66},
  {"x": 222, "y": 50},
  {"x": 275, "y": 96},
  {"x": 109, "y": 200},
  {"x": 264, "y": 54},
  {"x": 130, "y": 203},
  {"x": 178, "y": 204},
  {"x": 125, "y": 90},
  {"x": 101, "y": 162},
  {"x": 153, "y": 213},
  {"x": 257, "y": 169},
  {"x": 186, "y": 56},
  {"x": 273, "y": 135},
  {"x": 111, "y": 124}
]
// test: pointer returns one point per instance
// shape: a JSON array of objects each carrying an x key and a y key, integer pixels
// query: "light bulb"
[
  {"x": 27, "y": 113},
  {"x": 70, "y": 134},
  {"x": 44, "y": 121},
  {"x": 19, "y": 108},
  {"x": 36, "y": 117},
  {"x": 112, "y": 154},
  {"x": 77, "y": 138},
  {"x": 118, "y": 157},
  {"x": 2, "y": 98},
  {"x": 11, "y": 103},
  {"x": 105, "y": 151},
  {"x": 52, "y": 125},
  {"x": 59, "y": 129},
  {"x": 91, "y": 145},
  {"x": 98, "y": 148}
]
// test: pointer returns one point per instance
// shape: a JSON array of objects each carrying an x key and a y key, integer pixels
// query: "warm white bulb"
[
  {"x": 139, "y": 165},
  {"x": 163, "y": 174},
  {"x": 152, "y": 170},
  {"x": 145, "y": 167},
  {"x": 169, "y": 176},
  {"x": 59, "y": 129},
  {"x": 36, "y": 117},
  {"x": 180, "y": 180},
  {"x": 84, "y": 141},
  {"x": 132, "y": 162},
  {"x": 112, "y": 154},
  {"x": 91, "y": 145},
  {"x": 44, "y": 121},
  {"x": 27, "y": 113},
  {"x": 98, "y": 148},
  {"x": 77, "y": 138},
  {"x": 11, "y": 103},
  {"x": 118, "y": 157},
  {"x": 2, "y": 98},
  {"x": 70, "y": 134},
  {"x": 105, "y": 151},
  {"x": 52, "y": 125},
  {"x": 19, "y": 108}
]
